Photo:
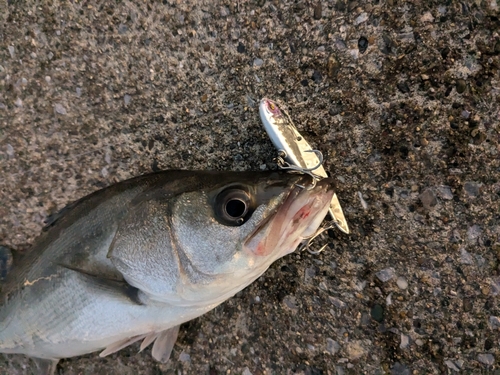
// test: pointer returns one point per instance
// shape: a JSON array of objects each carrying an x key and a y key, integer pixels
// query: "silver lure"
[{"x": 296, "y": 151}]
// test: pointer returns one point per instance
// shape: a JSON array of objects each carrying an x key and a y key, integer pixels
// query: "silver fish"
[
  {"x": 297, "y": 151},
  {"x": 137, "y": 259}
]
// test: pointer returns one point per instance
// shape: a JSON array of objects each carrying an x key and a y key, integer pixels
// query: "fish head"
[{"x": 218, "y": 233}]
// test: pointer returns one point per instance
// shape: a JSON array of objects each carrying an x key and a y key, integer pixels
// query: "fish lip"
[{"x": 294, "y": 192}]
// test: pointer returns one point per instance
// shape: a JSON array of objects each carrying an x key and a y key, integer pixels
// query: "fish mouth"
[{"x": 298, "y": 217}]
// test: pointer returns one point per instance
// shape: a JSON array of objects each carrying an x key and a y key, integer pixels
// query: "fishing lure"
[{"x": 295, "y": 153}]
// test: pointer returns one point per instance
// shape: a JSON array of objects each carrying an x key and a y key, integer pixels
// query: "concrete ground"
[{"x": 402, "y": 97}]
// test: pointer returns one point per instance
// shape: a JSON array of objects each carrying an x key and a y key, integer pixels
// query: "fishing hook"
[
  {"x": 307, "y": 245},
  {"x": 283, "y": 164}
]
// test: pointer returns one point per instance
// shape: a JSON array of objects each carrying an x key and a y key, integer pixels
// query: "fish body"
[{"x": 137, "y": 259}]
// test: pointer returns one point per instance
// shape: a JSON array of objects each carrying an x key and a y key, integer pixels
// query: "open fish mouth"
[{"x": 295, "y": 219}]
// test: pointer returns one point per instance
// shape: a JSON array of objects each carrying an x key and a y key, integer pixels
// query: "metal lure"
[{"x": 296, "y": 152}]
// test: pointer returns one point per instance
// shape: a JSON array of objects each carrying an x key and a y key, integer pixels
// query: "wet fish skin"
[{"x": 141, "y": 257}]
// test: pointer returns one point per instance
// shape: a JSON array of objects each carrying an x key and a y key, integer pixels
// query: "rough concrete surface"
[{"x": 402, "y": 97}]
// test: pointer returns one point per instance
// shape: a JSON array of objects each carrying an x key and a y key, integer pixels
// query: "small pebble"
[
  {"x": 403, "y": 87},
  {"x": 309, "y": 274},
  {"x": 460, "y": 86},
  {"x": 386, "y": 274},
  {"x": 317, "y": 77},
  {"x": 474, "y": 232},
  {"x": 428, "y": 198},
  {"x": 107, "y": 157},
  {"x": 355, "y": 350},
  {"x": 427, "y": 17},
  {"x": 495, "y": 286},
  {"x": 362, "y": 44},
  {"x": 104, "y": 172},
  {"x": 10, "y": 151},
  {"x": 333, "y": 66},
  {"x": 467, "y": 304},
  {"x": 405, "y": 341},
  {"x": 377, "y": 313},
  {"x": 494, "y": 322},
  {"x": 444, "y": 192},
  {"x": 465, "y": 114},
  {"x": 472, "y": 188},
  {"x": 400, "y": 369},
  {"x": 465, "y": 257},
  {"x": 361, "y": 18},
  {"x": 59, "y": 108},
  {"x": 362, "y": 200},
  {"x": 365, "y": 319},
  {"x": 12, "y": 51},
  {"x": 18, "y": 103},
  {"x": 337, "y": 302},
  {"x": 224, "y": 12},
  {"x": 402, "y": 283},
  {"x": 258, "y": 62},
  {"x": 241, "y": 48},
  {"x": 122, "y": 29},
  {"x": 290, "y": 302},
  {"x": 332, "y": 346},
  {"x": 184, "y": 357},
  {"x": 487, "y": 359},
  {"x": 318, "y": 10},
  {"x": 246, "y": 371},
  {"x": 451, "y": 365}
]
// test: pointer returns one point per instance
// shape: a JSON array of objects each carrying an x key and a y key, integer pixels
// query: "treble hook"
[
  {"x": 283, "y": 164},
  {"x": 307, "y": 245},
  {"x": 286, "y": 165}
]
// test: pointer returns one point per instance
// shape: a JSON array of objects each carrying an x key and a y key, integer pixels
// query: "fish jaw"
[{"x": 298, "y": 218}]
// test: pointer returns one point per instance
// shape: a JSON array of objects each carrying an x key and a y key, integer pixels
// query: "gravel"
[{"x": 411, "y": 122}]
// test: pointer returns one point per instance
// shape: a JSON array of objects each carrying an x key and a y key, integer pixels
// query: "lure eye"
[
  {"x": 233, "y": 207},
  {"x": 273, "y": 108}
]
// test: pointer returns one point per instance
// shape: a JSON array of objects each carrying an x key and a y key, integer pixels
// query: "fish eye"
[{"x": 233, "y": 207}]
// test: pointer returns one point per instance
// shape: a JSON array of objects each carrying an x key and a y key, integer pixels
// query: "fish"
[
  {"x": 133, "y": 261},
  {"x": 297, "y": 151}
]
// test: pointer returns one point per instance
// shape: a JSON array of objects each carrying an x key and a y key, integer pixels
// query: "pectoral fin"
[
  {"x": 119, "y": 288},
  {"x": 148, "y": 340},
  {"x": 119, "y": 345},
  {"x": 164, "y": 344}
]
